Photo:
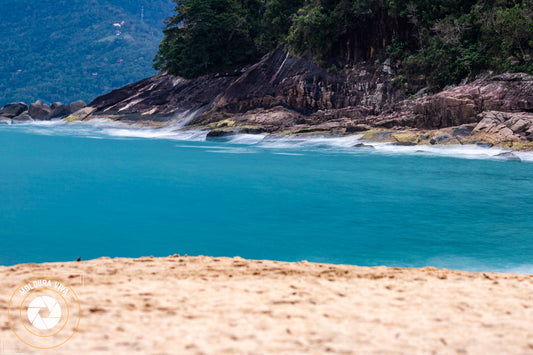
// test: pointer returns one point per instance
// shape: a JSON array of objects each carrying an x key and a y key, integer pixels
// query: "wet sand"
[{"x": 203, "y": 305}]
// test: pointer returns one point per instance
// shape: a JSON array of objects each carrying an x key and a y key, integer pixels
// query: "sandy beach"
[{"x": 204, "y": 305}]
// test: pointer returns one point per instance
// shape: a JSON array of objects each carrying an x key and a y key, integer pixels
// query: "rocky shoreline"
[
  {"x": 20, "y": 112},
  {"x": 282, "y": 94}
]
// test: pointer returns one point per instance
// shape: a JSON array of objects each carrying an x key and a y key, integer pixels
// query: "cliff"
[
  {"x": 279, "y": 82},
  {"x": 286, "y": 94}
]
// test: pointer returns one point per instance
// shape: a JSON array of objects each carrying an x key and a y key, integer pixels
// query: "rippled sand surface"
[{"x": 203, "y": 305}]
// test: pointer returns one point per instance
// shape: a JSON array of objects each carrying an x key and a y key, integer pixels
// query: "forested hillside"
[
  {"x": 434, "y": 42},
  {"x": 59, "y": 50}
]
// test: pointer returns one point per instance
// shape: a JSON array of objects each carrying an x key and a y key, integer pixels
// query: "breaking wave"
[{"x": 246, "y": 143}]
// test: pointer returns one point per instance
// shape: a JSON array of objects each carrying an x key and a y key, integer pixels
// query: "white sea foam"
[
  {"x": 99, "y": 128},
  {"x": 476, "y": 265},
  {"x": 518, "y": 269},
  {"x": 102, "y": 128},
  {"x": 232, "y": 151},
  {"x": 245, "y": 138},
  {"x": 525, "y": 156},
  {"x": 458, "y": 151},
  {"x": 285, "y": 153},
  {"x": 309, "y": 142}
]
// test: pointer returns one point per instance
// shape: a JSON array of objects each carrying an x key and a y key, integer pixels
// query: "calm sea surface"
[{"x": 105, "y": 190}]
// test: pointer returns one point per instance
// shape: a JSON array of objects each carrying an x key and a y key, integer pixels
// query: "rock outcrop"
[
  {"x": 23, "y": 117},
  {"x": 463, "y": 104},
  {"x": 13, "y": 109},
  {"x": 20, "y": 112},
  {"x": 162, "y": 96},
  {"x": 59, "y": 110},
  {"x": 505, "y": 126},
  {"x": 278, "y": 82},
  {"x": 77, "y": 105},
  {"x": 296, "y": 83},
  {"x": 287, "y": 94},
  {"x": 39, "y": 111}
]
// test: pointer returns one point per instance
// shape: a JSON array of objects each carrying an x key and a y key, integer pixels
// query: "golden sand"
[{"x": 203, "y": 305}]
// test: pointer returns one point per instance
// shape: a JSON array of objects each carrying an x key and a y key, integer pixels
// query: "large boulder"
[
  {"x": 59, "y": 110},
  {"x": 23, "y": 117},
  {"x": 505, "y": 126},
  {"x": 77, "y": 105},
  {"x": 13, "y": 109},
  {"x": 440, "y": 111},
  {"x": 463, "y": 104},
  {"x": 81, "y": 114},
  {"x": 39, "y": 111},
  {"x": 55, "y": 105}
]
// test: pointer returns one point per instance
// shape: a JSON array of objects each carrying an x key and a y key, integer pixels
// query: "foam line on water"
[
  {"x": 475, "y": 265},
  {"x": 279, "y": 144},
  {"x": 309, "y": 142},
  {"x": 458, "y": 151},
  {"x": 102, "y": 128},
  {"x": 246, "y": 138}
]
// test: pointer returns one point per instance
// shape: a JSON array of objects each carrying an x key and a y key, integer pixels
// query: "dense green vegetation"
[
  {"x": 59, "y": 50},
  {"x": 210, "y": 35},
  {"x": 438, "y": 42}
]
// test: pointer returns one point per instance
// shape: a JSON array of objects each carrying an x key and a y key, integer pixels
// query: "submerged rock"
[
  {"x": 220, "y": 133},
  {"x": 485, "y": 145},
  {"x": 24, "y": 117},
  {"x": 362, "y": 145},
  {"x": 508, "y": 156}
]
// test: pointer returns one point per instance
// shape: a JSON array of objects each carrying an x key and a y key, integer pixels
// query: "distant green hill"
[{"x": 59, "y": 50}]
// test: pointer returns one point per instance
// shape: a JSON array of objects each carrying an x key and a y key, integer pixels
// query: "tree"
[{"x": 205, "y": 36}]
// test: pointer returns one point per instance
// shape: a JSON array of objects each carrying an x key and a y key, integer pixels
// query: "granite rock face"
[
  {"x": 464, "y": 104},
  {"x": 59, "y": 110},
  {"x": 39, "y": 111},
  {"x": 296, "y": 83},
  {"x": 163, "y": 95},
  {"x": 282, "y": 93},
  {"x": 13, "y": 109},
  {"x": 77, "y": 105},
  {"x": 505, "y": 126},
  {"x": 278, "y": 80},
  {"x": 23, "y": 117}
]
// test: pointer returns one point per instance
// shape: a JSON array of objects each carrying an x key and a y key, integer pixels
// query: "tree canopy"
[
  {"x": 442, "y": 40},
  {"x": 59, "y": 50}
]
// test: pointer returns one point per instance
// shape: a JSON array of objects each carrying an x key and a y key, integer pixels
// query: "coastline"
[
  {"x": 192, "y": 305},
  {"x": 387, "y": 141}
]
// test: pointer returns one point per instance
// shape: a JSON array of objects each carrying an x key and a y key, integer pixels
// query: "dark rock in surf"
[
  {"x": 23, "y": 117},
  {"x": 39, "y": 111},
  {"x": 219, "y": 133},
  {"x": 508, "y": 156},
  {"x": 59, "y": 110},
  {"x": 13, "y": 109},
  {"x": 362, "y": 145}
]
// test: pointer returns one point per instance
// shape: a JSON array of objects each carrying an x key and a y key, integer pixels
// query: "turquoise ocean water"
[{"x": 102, "y": 189}]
